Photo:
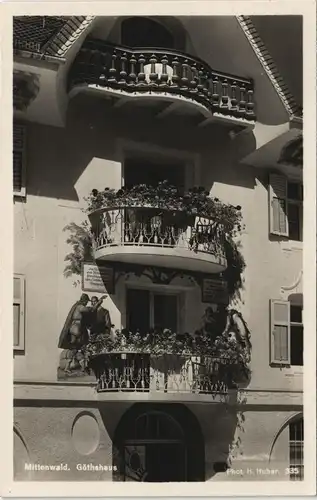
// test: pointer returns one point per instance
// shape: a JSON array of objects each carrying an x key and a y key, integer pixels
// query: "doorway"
[{"x": 159, "y": 443}]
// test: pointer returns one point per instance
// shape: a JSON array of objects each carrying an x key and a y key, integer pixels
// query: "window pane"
[
  {"x": 296, "y": 314},
  {"x": 138, "y": 311},
  {"x": 142, "y": 171},
  {"x": 16, "y": 288},
  {"x": 296, "y": 430},
  {"x": 16, "y": 324},
  {"x": 296, "y": 450},
  {"x": 294, "y": 221},
  {"x": 165, "y": 312},
  {"x": 280, "y": 312},
  {"x": 294, "y": 191},
  {"x": 296, "y": 345}
]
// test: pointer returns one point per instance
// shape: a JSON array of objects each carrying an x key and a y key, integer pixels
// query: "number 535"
[{"x": 291, "y": 470}]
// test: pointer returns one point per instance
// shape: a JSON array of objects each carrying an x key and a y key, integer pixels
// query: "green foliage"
[{"x": 81, "y": 240}]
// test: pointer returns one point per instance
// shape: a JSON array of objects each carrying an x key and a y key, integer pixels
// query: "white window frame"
[
  {"x": 22, "y": 192},
  {"x": 288, "y": 201},
  {"x": 21, "y": 303},
  {"x": 274, "y": 361}
]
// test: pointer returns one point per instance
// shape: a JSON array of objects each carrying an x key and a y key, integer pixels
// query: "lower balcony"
[
  {"x": 157, "y": 237},
  {"x": 160, "y": 376}
]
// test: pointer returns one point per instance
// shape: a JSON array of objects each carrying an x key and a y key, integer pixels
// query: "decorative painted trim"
[
  {"x": 291, "y": 288},
  {"x": 270, "y": 68},
  {"x": 68, "y": 35}
]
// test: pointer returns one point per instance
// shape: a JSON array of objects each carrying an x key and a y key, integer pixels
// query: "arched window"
[
  {"x": 288, "y": 448},
  {"x": 296, "y": 449},
  {"x": 145, "y": 32}
]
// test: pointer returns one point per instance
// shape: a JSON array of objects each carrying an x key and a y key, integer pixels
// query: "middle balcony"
[{"x": 160, "y": 233}]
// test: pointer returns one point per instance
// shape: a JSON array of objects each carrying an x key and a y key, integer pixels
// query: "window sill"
[
  {"x": 289, "y": 371},
  {"x": 292, "y": 245},
  {"x": 294, "y": 371}
]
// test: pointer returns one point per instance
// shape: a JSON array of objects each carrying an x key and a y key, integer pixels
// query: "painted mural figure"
[
  {"x": 100, "y": 322},
  {"x": 75, "y": 333}
]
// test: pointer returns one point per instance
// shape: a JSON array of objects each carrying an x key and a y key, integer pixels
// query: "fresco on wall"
[{"x": 86, "y": 318}]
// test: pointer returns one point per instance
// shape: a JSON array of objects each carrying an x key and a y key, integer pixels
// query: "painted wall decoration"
[{"x": 83, "y": 322}]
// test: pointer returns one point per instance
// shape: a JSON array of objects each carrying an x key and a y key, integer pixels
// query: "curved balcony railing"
[
  {"x": 164, "y": 373},
  {"x": 160, "y": 71},
  {"x": 144, "y": 229}
]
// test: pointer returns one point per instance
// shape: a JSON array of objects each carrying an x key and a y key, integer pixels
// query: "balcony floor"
[{"x": 176, "y": 258}]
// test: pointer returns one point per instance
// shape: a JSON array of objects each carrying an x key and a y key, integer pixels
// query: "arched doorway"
[
  {"x": 159, "y": 443},
  {"x": 145, "y": 32}
]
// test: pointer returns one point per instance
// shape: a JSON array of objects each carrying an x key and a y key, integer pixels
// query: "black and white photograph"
[{"x": 158, "y": 241}]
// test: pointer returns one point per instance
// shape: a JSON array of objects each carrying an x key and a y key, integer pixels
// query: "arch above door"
[{"x": 159, "y": 443}]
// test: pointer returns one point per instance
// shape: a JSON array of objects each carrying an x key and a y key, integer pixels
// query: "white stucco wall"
[{"x": 64, "y": 165}]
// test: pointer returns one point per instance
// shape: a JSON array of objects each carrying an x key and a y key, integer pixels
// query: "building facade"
[{"x": 102, "y": 103}]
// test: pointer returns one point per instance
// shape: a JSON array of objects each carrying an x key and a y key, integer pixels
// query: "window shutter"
[
  {"x": 278, "y": 205},
  {"x": 19, "y": 142},
  {"x": 280, "y": 332},
  {"x": 18, "y": 312}
]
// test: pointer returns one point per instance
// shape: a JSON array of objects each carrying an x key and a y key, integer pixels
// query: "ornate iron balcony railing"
[
  {"x": 166, "y": 72},
  {"x": 165, "y": 373},
  {"x": 141, "y": 226}
]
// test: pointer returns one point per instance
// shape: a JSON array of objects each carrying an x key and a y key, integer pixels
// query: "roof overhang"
[{"x": 270, "y": 155}]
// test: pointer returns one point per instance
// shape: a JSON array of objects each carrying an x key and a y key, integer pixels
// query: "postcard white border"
[{"x": 10, "y": 488}]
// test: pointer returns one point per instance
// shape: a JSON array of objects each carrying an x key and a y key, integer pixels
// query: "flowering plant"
[
  {"x": 228, "y": 348},
  {"x": 195, "y": 201}
]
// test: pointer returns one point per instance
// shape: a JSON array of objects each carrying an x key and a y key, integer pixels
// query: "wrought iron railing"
[
  {"x": 162, "y": 71},
  {"x": 148, "y": 226},
  {"x": 163, "y": 373}
]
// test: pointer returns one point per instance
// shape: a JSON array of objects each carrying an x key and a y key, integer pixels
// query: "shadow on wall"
[
  {"x": 222, "y": 426},
  {"x": 59, "y": 158}
]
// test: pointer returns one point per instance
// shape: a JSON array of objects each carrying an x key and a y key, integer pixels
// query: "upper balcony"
[
  {"x": 158, "y": 226},
  {"x": 172, "y": 82},
  {"x": 159, "y": 237}
]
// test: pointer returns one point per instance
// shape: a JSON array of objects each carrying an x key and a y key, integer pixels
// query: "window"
[
  {"x": 297, "y": 331},
  {"x": 296, "y": 450},
  {"x": 18, "y": 312},
  {"x": 145, "y": 171},
  {"x": 146, "y": 309},
  {"x": 287, "y": 332},
  {"x": 19, "y": 159},
  {"x": 145, "y": 32},
  {"x": 286, "y": 207}
]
